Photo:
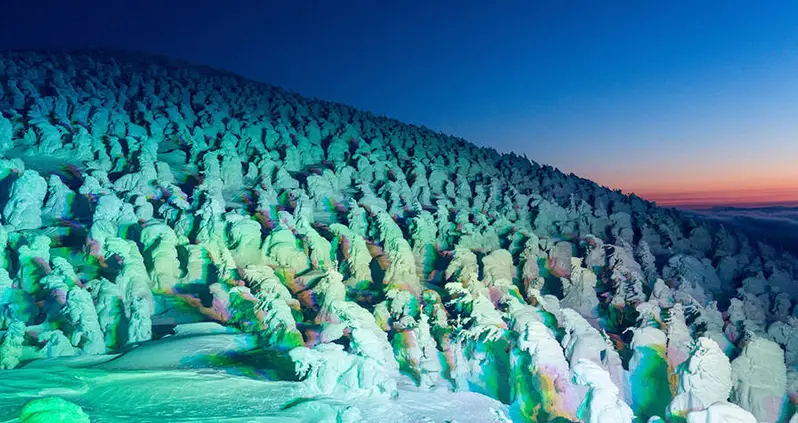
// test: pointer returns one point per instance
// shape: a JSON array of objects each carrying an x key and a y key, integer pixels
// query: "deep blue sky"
[{"x": 643, "y": 95}]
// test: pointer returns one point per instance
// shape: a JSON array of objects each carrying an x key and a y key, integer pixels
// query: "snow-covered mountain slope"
[{"x": 363, "y": 266}]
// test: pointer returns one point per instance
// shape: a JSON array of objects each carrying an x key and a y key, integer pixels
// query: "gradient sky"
[{"x": 687, "y": 103}]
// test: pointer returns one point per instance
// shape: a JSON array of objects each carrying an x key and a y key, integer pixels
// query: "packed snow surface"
[{"x": 205, "y": 374}]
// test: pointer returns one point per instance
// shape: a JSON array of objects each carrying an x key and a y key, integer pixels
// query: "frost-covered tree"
[
  {"x": 704, "y": 379},
  {"x": 56, "y": 344},
  {"x": 159, "y": 244},
  {"x": 648, "y": 369},
  {"x": 602, "y": 404},
  {"x": 87, "y": 333},
  {"x": 266, "y": 314},
  {"x": 31, "y": 264},
  {"x": 679, "y": 339},
  {"x": 328, "y": 369},
  {"x": 581, "y": 295},
  {"x": 424, "y": 236},
  {"x": 24, "y": 207},
  {"x": 544, "y": 388},
  {"x": 759, "y": 384},
  {"x": 134, "y": 284},
  {"x": 110, "y": 311},
  {"x": 366, "y": 338},
  {"x": 647, "y": 261},
  {"x": 582, "y": 341},
  {"x": 357, "y": 257},
  {"x": 320, "y": 250},
  {"x": 281, "y": 246},
  {"x": 11, "y": 345},
  {"x": 59, "y": 201},
  {"x": 626, "y": 275}
]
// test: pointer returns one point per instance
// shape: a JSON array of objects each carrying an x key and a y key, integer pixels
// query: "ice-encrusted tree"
[
  {"x": 280, "y": 245},
  {"x": 134, "y": 284},
  {"x": 140, "y": 321},
  {"x": 31, "y": 258},
  {"x": 366, "y": 338},
  {"x": 244, "y": 239},
  {"x": 759, "y": 384},
  {"x": 159, "y": 245},
  {"x": 110, "y": 307},
  {"x": 87, "y": 334},
  {"x": 321, "y": 255},
  {"x": 357, "y": 219},
  {"x": 662, "y": 293},
  {"x": 369, "y": 366},
  {"x": 357, "y": 257},
  {"x": 24, "y": 207},
  {"x": 55, "y": 344},
  {"x": 721, "y": 412},
  {"x": 648, "y": 369},
  {"x": 582, "y": 341},
  {"x": 626, "y": 275},
  {"x": 267, "y": 314},
  {"x": 401, "y": 282},
  {"x": 463, "y": 264},
  {"x": 11, "y": 345},
  {"x": 603, "y": 403},
  {"x": 690, "y": 268},
  {"x": 59, "y": 201},
  {"x": 476, "y": 338},
  {"x": 786, "y": 335},
  {"x": 542, "y": 377},
  {"x": 424, "y": 236},
  {"x": 581, "y": 295},
  {"x": 704, "y": 379},
  {"x": 327, "y": 369},
  {"x": 679, "y": 339},
  {"x": 647, "y": 261},
  {"x": 499, "y": 272}
]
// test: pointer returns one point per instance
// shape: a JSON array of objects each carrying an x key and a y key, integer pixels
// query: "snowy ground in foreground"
[{"x": 201, "y": 375}]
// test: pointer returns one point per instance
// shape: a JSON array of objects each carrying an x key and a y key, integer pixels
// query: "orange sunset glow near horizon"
[
  {"x": 704, "y": 175},
  {"x": 733, "y": 192},
  {"x": 731, "y": 198}
]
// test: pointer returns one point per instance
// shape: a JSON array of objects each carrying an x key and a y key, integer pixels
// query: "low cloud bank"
[{"x": 778, "y": 225}]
